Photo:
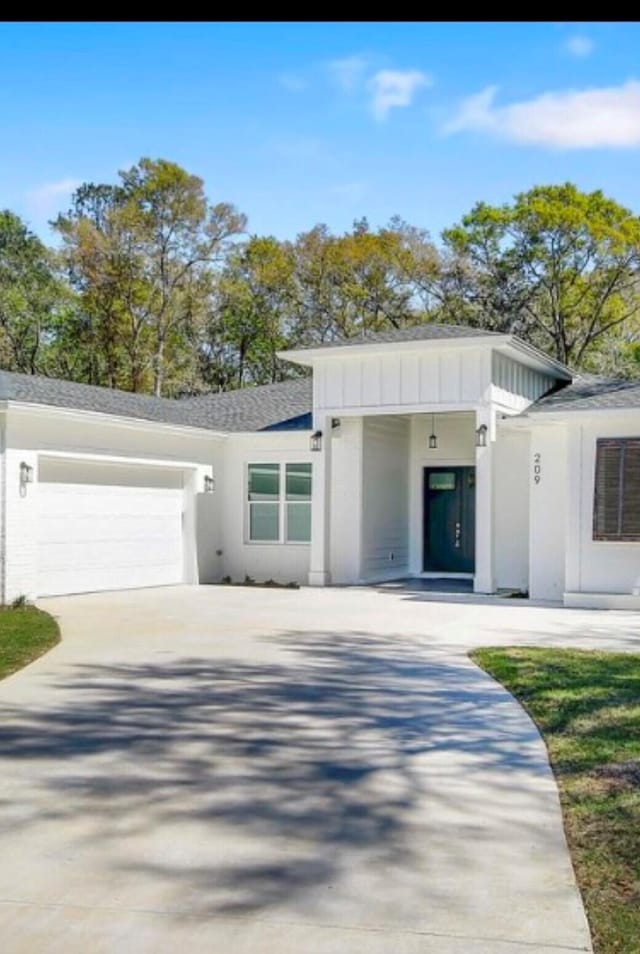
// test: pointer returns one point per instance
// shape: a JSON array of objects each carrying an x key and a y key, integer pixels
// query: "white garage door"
[{"x": 107, "y": 526}]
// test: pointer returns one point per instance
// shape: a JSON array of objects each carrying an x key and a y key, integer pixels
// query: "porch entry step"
[{"x": 432, "y": 584}]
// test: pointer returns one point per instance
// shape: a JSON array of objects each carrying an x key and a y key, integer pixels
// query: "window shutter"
[
  {"x": 616, "y": 508},
  {"x": 606, "y": 518},
  {"x": 630, "y": 528}
]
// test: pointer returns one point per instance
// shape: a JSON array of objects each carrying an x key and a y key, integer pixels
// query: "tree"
[
  {"x": 363, "y": 280},
  {"x": 32, "y": 298},
  {"x": 558, "y": 266},
  {"x": 255, "y": 315},
  {"x": 138, "y": 253}
]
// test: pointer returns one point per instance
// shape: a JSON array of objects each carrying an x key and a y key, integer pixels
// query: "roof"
[
  {"x": 257, "y": 408},
  {"x": 400, "y": 338},
  {"x": 590, "y": 392},
  {"x": 248, "y": 409},
  {"x": 426, "y": 332}
]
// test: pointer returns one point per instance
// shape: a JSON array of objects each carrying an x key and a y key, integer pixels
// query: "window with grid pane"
[
  {"x": 616, "y": 511},
  {"x": 264, "y": 503},
  {"x": 298, "y": 494}
]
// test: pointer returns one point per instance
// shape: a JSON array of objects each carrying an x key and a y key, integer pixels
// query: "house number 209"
[{"x": 537, "y": 468}]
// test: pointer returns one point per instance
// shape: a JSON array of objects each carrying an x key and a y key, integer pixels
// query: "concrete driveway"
[{"x": 211, "y": 770}]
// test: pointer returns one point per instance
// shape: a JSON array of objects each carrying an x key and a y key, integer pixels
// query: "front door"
[{"x": 449, "y": 519}]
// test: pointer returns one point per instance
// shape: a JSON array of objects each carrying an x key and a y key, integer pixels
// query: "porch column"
[
  {"x": 319, "y": 566},
  {"x": 483, "y": 581}
]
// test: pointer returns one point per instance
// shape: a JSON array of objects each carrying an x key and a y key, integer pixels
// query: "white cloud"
[
  {"x": 608, "y": 117},
  {"x": 293, "y": 82},
  {"x": 348, "y": 73},
  {"x": 46, "y": 199},
  {"x": 579, "y": 46},
  {"x": 393, "y": 88}
]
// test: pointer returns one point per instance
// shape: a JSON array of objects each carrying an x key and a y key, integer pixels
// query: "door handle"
[{"x": 458, "y": 535}]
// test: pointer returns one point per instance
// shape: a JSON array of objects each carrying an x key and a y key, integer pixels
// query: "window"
[
  {"x": 442, "y": 480},
  {"x": 279, "y": 502},
  {"x": 616, "y": 510}
]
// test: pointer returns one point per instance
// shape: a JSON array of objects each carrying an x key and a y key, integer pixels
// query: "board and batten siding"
[
  {"x": 396, "y": 380},
  {"x": 454, "y": 378},
  {"x": 385, "y": 513},
  {"x": 515, "y": 383}
]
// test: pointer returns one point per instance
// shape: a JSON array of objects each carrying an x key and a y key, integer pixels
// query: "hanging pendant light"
[{"x": 433, "y": 440}]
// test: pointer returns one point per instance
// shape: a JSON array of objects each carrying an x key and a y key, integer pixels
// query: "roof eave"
[
  {"x": 307, "y": 356},
  {"x": 541, "y": 359},
  {"x": 122, "y": 419}
]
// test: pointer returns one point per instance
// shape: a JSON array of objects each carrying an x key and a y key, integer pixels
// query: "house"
[{"x": 428, "y": 451}]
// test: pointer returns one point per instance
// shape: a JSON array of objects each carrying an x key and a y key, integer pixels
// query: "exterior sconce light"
[
  {"x": 433, "y": 439},
  {"x": 481, "y": 436},
  {"x": 315, "y": 441},
  {"x": 26, "y": 473},
  {"x": 209, "y": 484}
]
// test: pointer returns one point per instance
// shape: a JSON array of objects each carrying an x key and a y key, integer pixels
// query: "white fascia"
[
  {"x": 132, "y": 423},
  {"x": 307, "y": 356}
]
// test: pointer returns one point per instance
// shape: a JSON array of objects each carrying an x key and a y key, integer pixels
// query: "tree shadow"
[{"x": 245, "y": 786}]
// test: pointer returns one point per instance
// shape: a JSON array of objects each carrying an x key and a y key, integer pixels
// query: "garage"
[{"x": 108, "y": 526}]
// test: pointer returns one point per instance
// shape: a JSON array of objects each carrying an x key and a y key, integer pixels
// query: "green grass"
[
  {"x": 25, "y": 634},
  {"x": 587, "y": 706}
]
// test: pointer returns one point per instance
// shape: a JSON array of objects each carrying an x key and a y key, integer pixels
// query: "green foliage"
[
  {"x": 25, "y": 634},
  {"x": 139, "y": 254},
  {"x": 155, "y": 289},
  {"x": 33, "y": 301},
  {"x": 587, "y": 705},
  {"x": 557, "y": 266}
]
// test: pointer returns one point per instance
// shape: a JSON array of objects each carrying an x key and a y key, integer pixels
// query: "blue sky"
[{"x": 304, "y": 123}]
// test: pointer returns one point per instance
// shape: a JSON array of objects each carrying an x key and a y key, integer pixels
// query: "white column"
[
  {"x": 484, "y": 580},
  {"x": 319, "y": 567}
]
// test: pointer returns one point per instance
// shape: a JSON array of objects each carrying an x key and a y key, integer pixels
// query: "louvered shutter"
[
  {"x": 606, "y": 517},
  {"x": 630, "y": 517},
  {"x": 616, "y": 512}
]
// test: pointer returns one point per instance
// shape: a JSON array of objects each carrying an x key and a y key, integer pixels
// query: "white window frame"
[{"x": 282, "y": 504}]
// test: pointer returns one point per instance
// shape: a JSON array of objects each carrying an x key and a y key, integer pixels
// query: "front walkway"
[{"x": 221, "y": 769}]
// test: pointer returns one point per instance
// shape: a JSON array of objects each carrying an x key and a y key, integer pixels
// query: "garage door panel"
[{"x": 99, "y": 535}]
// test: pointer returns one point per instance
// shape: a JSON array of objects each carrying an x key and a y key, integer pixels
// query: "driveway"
[{"x": 208, "y": 770}]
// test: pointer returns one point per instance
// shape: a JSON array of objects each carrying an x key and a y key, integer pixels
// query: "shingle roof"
[
  {"x": 427, "y": 332},
  {"x": 257, "y": 408},
  {"x": 248, "y": 409},
  {"x": 590, "y": 392}
]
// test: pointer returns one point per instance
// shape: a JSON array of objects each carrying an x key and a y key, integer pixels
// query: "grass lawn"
[
  {"x": 25, "y": 634},
  {"x": 587, "y": 706}
]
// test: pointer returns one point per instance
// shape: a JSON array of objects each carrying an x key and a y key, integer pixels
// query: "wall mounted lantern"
[
  {"x": 481, "y": 436},
  {"x": 209, "y": 484},
  {"x": 315, "y": 441},
  {"x": 26, "y": 473},
  {"x": 433, "y": 438}
]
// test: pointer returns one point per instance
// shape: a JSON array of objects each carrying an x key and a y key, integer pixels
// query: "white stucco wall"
[
  {"x": 511, "y": 509},
  {"x": 595, "y": 566},
  {"x": 385, "y": 512},
  {"x": 548, "y": 511},
  {"x": 284, "y": 563},
  {"x": 346, "y": 501},
  {"x": 32, "y": 432}
]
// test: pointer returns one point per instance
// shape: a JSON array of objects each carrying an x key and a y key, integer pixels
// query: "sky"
[{"x": 302, "y": 123}]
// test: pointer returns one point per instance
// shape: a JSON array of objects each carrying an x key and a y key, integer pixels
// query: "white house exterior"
[{"x": 437, "y": 451}]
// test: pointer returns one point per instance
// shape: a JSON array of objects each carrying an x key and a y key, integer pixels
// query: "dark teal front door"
[{"x": 449, "y": 519}]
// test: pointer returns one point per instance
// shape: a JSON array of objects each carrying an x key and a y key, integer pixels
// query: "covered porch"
[{"x": 405, "y": 495}]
